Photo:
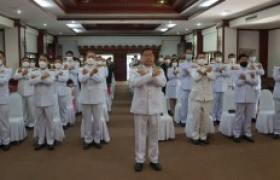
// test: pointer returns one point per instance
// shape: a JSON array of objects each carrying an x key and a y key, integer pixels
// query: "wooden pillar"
[
  {"x": 263, "y": 48},
  {"x": 41, "y": 42},
  {"x": 120, "y": 66}
]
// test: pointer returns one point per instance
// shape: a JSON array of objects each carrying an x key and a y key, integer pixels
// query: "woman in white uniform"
[{"x": 174, "y": 77}]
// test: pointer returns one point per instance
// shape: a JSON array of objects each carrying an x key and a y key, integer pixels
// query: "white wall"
[
  {"x": 230, "y": 41},
  {"x": 273, "y": 50},
  {"x": 31, "y": 37},
  {"x": 12, "y": 47},
  {"x": 168, "y": 43},
  {"x": 2, "y": 41},
  {"x": 249, "y": 40}
]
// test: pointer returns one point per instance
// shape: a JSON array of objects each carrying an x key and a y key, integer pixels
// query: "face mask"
[
  {"x": 58, "y": 66},
  {"x": 160, "y": 59},
  {"x": 42, "y": 64},
  {"x": 25, "y": 64},
  {"x": 244, "y": 64},
  {"x": 1, "y": 62},
  {"x": 232, "y": 60},
  {"x": 189, "y": 56},
  {"x": 201, "y": 62},
  {"x": 167, "y": 61},
  {"x": 69, "y": 58},
  {"x": 219, "y": 59},
  {"x": 32, "y": 64},
  {"x": 81, "y": 59},
  {"x": 90, "y": 61},
  {"x": 174, "y": 64},
  {"x": 253, "y": 59}
]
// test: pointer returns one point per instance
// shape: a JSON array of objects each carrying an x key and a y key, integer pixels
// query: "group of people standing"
[{"x": 83, "y": 88}]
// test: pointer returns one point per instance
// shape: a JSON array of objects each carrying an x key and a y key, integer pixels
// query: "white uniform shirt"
[
  {"x": 5, "y": 76},
  {"x": 60, "y": 86},
  {"x": 172, "y": 78},
  {"x": 24, "y": 88},
  {"x": 147, "y": 98},
  {"x": 186, "y": 78},
  {"x": 276, "y": 76},
  {"x": 220, "y": 83}
]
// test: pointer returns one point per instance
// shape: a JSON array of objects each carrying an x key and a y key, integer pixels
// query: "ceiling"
[{"x": 127, "y": 17}]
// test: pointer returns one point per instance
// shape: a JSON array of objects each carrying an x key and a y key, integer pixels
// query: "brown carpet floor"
[{"x": 223, "y": 159}]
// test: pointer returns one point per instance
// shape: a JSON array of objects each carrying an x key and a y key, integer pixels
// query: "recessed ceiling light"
[
  {"x": 73, "y": 22},
  {"x": 187, "y": 29},
  {"x": 225, "y": 13},
  {"x": 77, "y": 30},
  {"x": 198, "y": 24},
  {"x": 45, "y": 25},
  {"x": 178, "y": 33},
  {"x": 19, "y": 11},
  {"x": 60, "y": 33},
  {"x": 163, "y": 29},
  {"x": 208, "y": 3},
  {"x": 75, "y": 26},
  {"x": 43, "y": 3},
  {"x": 171, "y": 25}
]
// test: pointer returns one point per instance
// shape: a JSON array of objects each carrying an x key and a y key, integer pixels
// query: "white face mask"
[
  {"x": 81, "y": 59},
  {"x": 167, "y": 61},
  {"x": 219, "y": 59},
  {"x": 32, "y": 64},
  {"x": 58, "y": 66},
  {"x": 232, "y": 60},
  {"x": 69, "y": 58},
  {"x": 42, "y": 64},
  {"x": 160, "y": 59},
  {"x": 201, "y": 62},
  {"x": 174, "y": 64},
  {"x": 1, "y": 62},
  {"x": 90, "y": 61},
  {"x": 253, "y": 59},
  {"x": 25, "y": 64}
]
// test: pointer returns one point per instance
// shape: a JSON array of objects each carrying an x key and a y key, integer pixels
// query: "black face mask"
[{"x": 244, "y": 64}]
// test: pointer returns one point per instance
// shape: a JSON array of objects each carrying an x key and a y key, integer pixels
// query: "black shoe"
[
  {"x": 249, "y": 139},
  {"x": 253, "y": 120},
  {"x": 195, "y": 142},
  {"x": 156, "y": 166},
  {"x": 237, "y": 140},
  {"x": 182, "y": 124},
  {"x": 51, "y": 147},
  {"x": 206, "y": 141},
  {"x": 276, "y": 136},
  {"x": 65, "y": 127},
  {"x": 98, "y": 145},
  {"x": 6, "y": 147},
  {"x": 38, "y": 147},
  {"x": 138, "y": 167},
  {"x": 86, "y": 146}
]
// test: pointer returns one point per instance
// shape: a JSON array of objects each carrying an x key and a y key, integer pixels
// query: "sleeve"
[
  {"x": 17, "y": 75},
  {"x": 260, "y": 72},
  {"x": 182, "y": 71},
  {"x": 276, "y": 75},
  {"x": 159, "y": 80},
  {"x": 36, "y": 80},
  {"x": 196, "y": 76},
  {"x": 6, "y": 78},
  {"x": 64, "y": 77},
  {"x": 211, "y": 76},
  {"x": 98, "y": 77},
  {"x": 252, "y": 81},
  {"x": 138, "y": 80},
  {"x": 237, "y": 81},
  {"x": 49, "y": 80},
  {"x": 83, "y": 77},
  {"x": 170, "y": 74}
]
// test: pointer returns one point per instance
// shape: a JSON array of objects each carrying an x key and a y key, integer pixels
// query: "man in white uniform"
[
  {"x": 5, "y": 76},
  {"x": 42, "y": 80},
  {"x": 62, "y": 91},
  {"x": 146, "y": 106},
  {"x": 219, "y": 87},
  {"x": 201, "y": 96},
  {"x": 245, "y": 82},
  {"x": 92, "y": 97},
  {"x": 27, "y": 92},
  {"x": 276, "y": 96},
  {"x": 259, "y": 72},
  {"x": 186, "y": 84}
]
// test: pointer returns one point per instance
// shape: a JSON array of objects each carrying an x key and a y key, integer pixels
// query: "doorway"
[{"x": 129, "y": 58}]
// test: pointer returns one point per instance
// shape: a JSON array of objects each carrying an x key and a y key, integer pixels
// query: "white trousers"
[
  {"x": 217, "y": 106},
  {"x": 184, "y": 94},
  {"x": 92, "y": 116},
  {"x": 63, "y": 103},
  {"x": 255, "y": 110},
  {"x": 28, "y": 111},
  {"x": 44, "y": 125},
  {"x": 242, "y": 120},
  {"x": 146, "y": 126},
  {"x": 276, "y": 123},
  {"x": 4, "y": 124},
  {"x": 201, "y": 113}
]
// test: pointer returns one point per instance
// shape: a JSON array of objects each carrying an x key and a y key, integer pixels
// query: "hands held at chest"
[
  {"x": 156, "y": 72},
  {"x": 91, "y": 73},
  {"x": 45, "y": 75},
  {"x": 60, "y": 73},
  {"x": 203, "y": 71}
]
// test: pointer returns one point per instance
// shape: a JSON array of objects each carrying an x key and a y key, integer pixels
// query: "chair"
[
  {"x": 16, "y": 122},
  {"x": 71, "y": 112},
  {"x": 189, "y": 123},
  {"x": 58, "y": 128},
  {"x": 265, "y": 117},
  {"x": 165, "y": 125},
  {"x": 226, "y": 124}
]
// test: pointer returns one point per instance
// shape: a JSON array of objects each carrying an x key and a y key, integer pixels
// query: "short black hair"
[
  {"x": 146, "y": 49},
  {"x": 231, "y": 54},
  {"x": 70, "y": 52},
  {"x": 242, "y": 56},
  {"x": 217, "y": 53},
  {"x": 43, "y": 55}
]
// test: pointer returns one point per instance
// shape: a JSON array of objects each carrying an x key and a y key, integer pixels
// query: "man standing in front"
[{"x": 147, "y": 105}]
